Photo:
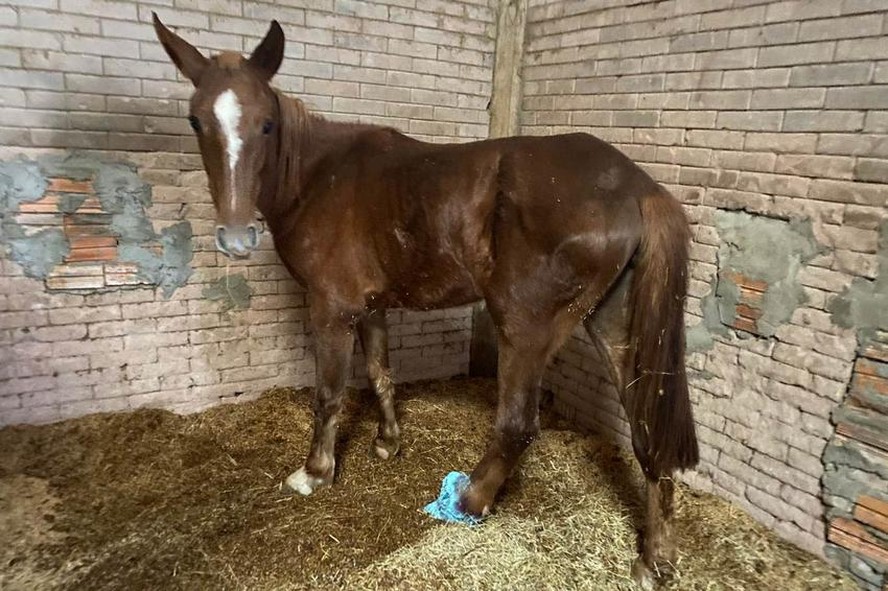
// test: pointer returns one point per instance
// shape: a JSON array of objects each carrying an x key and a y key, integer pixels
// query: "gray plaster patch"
[
  {"x": 37, "y": 253},
  {"x": 120, "y": 189},
  {"x": 762, "y": 249},
  {"x": 864, "y": 304},
  {"x": 20, "y": 181},
  {"x": 851, "y": 471},
  {"x": 699, "y": 337},
  {"x": 71, "y": 202},
  {"x": 168, "y": 269},
  {"x": 131, "y": 225},
  {"x": 121, "y": 193},
  {"x": 73, "y": 165},
  {"x": 232, "y": 290}
]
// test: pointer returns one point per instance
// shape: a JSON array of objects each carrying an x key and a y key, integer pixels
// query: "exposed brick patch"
[
  {"x": 852, "y": 536},
  {"x": 87, "y": 229},
  {"x": 749, "y": 305}
]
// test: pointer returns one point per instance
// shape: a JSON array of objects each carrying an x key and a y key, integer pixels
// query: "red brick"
[{"x": 62, "y": 185}]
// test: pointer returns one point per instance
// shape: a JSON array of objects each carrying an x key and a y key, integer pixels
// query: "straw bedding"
[{"x": 149, "y": 499}]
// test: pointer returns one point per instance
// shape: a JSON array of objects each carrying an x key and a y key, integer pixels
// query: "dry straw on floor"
[{"x": 153, "y": 500}]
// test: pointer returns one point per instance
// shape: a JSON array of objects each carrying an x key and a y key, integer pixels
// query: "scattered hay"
[
  {"x": 150, "y": 500},
  {"x": 558, "y": 528},
  {"x": 27, "y": 511}
]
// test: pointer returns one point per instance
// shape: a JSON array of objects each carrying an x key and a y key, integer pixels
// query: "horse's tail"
[{"x": 656, "y": 397}]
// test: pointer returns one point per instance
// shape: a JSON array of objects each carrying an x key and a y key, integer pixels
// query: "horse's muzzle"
[{"x": 237, "y": 241}]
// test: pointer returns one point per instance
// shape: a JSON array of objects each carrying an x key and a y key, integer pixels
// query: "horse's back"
[{"x": 429, "y": 224}]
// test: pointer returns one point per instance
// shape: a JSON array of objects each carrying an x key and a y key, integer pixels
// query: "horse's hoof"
[
  {"x": 667, "y": 557},
  {"x": 642, "y": 575},
  {"x": 385, "y": 450},
  {"x": 302, "y": 482},
  {"x": 474, "y": 503}
]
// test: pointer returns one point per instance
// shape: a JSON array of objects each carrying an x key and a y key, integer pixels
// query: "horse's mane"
[
  {"x": 303, "y": 138},
  {"x": 293, "y": 134}
]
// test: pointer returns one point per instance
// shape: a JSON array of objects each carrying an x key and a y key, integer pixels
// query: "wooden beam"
[{"x": 505, "y": 102}]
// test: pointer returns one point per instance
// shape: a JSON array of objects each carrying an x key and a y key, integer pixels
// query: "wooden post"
[
  {"x": 504, "y": 108},
  {"x": 505, "y": 103}
]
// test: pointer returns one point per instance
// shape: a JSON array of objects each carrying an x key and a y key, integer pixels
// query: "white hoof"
[
  {"x": 302, "y": 482},
  {"x": 385, "y": 451}
]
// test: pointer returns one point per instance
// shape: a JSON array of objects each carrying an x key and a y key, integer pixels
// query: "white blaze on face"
[{"x": 228, "y": 113}]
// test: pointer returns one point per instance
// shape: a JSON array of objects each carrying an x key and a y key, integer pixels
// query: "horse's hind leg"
[
  {"x": 374, "y": 340},
  {"x": 526, "y": 342},
  {"x": 517, "y": 424},
  {"x": 608, "y": 327},
  {"x": 658, "y": 550}
]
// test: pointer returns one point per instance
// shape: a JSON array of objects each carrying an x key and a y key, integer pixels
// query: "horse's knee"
[{"x": 328, "y": 403}]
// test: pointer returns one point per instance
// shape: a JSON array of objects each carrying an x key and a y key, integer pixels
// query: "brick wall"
[
  {"x": 769, "y": 120},
  {"x": 90, "y": 75},
  {"x": 69, "y": 352}
]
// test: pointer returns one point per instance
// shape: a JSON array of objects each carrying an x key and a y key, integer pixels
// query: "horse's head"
[{"x": 233, "y": 112}]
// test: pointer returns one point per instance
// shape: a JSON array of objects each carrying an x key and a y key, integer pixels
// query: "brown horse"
[{"x": 545, "y": 230}]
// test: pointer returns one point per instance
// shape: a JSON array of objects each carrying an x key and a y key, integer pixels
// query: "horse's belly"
[{"x": 433, "y": 287}]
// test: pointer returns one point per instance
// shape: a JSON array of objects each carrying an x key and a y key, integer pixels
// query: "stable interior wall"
[
  {"x": 112, "y": 294},
  {"x": 769, "y": 121}
]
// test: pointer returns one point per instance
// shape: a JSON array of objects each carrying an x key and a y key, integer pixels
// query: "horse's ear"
[
  {"x": 188, "y": 59},
  {"x": 267, "y": 57}
]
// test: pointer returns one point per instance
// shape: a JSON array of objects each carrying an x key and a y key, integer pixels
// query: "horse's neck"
[
  {"x": 326, "y": 138},
  {"x": 306, "y": 141}
]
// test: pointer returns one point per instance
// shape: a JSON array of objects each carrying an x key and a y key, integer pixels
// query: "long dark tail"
[{"x": 656, "y": 397}]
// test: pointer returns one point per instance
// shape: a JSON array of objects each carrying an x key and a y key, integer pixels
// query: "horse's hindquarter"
[{"x": 568, "y": 215}]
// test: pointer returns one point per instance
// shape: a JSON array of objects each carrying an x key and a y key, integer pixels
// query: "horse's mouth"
[{"x": 237, "y": 256}]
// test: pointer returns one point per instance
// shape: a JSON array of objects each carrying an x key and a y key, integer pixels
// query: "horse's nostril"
[
  {"x": 252, "y": 236},
  {"x": 220, "y": 238}
]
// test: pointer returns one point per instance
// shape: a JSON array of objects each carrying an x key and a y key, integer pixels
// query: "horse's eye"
[
  {"x": 195, "y": 123},
  {"x": 267, "y": 127}
]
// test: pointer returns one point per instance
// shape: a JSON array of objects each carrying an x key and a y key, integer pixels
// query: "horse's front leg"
[
  {"x": 374, "y": 340},
  {"x": 334, "y": 343}
]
